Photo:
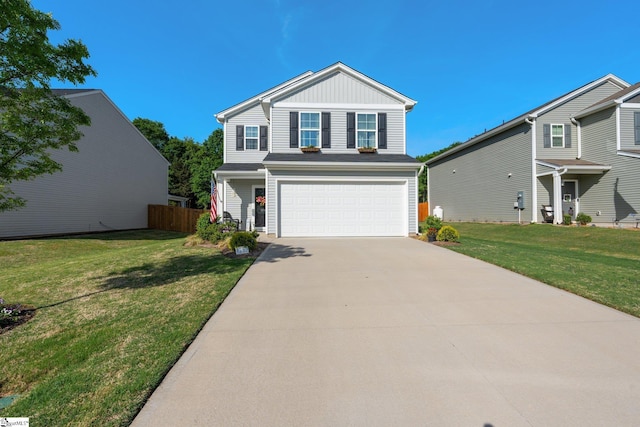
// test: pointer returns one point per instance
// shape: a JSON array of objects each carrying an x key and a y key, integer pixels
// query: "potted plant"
[
  {"x": 432, "y": 232},
  {"x": 310, "y": 149},
  {"x": 367, "y": 149}
]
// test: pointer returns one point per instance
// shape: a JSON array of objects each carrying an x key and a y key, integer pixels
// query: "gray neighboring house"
[
  {"x": 577, "y": 153},
  {"x": 106, "y": 185},
  {"x": 272, "y": 183}
]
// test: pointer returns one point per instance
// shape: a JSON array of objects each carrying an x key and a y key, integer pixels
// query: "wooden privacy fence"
[
  {"x": 173, "y": 218},
  {"x": 423, "y": 211}
]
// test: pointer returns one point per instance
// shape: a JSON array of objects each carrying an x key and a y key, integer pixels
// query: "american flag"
[{"x": 214, "y": 202}]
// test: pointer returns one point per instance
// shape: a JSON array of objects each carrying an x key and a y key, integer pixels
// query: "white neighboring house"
[
  {"x": 106, "y": 185},
  {"x": 322, "y": 154}
]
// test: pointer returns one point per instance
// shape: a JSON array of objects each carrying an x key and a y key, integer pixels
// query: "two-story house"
[
  {"x": 577, "y": 153},
  {"x": 323, "y": 154}
]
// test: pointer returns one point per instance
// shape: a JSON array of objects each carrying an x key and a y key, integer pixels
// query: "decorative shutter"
[
  {"x": 351, "y": 130},
  {"x": 546, "y": 134},
  {"x": 239, "y": 138},
  {"x": 293, "y": 129},
  {"x": 326, "y": 130},
  {"x": 636, "y": 127},
  {"x": 382, "y": 130},
  {"x": 567, "y": 135},
  {"x": 264, "y": 138}
]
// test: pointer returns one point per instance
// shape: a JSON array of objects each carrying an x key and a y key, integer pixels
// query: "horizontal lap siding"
[
  {"x": 562, "y": 115},
  {"x": 107, "y": 185},
  {"x": 239, "y": 197},
  {"x": 616, "y": 193},
  {"x": 480, "y": 189},
  {"x": 395, "y": 130},
  {"x": 253, "y": 116}
]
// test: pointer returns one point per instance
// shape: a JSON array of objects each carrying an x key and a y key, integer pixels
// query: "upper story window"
[
  {"x": 366, "y": 130},
  {"x": 557, "y": 136},
  {"x": 251, "y": 137},
  {"x": 310, "y": 129}
]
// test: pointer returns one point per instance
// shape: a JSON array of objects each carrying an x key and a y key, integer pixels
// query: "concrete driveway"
[{"x": 362, "y": 332}]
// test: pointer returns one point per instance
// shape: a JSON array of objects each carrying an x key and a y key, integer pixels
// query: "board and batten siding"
[
  {"x": 481, "y": 189},
  {"x": 239, "y": 198},
  {"x": 395, "y": 129},
  {"x": 355, "y": 176},
  {"x": 105, "y": 186},
  {"x": 616, "y": 193},
  {"x": 627, "y": 131},
  {"x": 252, "y": 116},
  {"x": 339, "y": 88},
  {"x": 562, "y": 115}
]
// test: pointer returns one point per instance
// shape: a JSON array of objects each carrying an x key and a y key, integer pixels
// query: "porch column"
[{"x": 557, "y": 197}]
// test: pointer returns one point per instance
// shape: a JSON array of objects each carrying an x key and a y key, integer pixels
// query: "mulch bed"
[
  {"x": 26, "y": 313},
  {"x": 252, "y": 254}
]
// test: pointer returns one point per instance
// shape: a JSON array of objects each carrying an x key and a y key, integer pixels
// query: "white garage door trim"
[{"x": 380, "y": 208}]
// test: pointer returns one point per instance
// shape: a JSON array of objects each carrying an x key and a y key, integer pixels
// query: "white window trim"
[
  {"x": 310, "y": 129},
  {"x": 375, "y": 130},
  {"x": 562, "y": 135},
  {"x": 257, "y": 138}
]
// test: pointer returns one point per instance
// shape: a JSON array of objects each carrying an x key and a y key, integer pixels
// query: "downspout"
[
  {"x": 534, "y": 179},
  {"x": 577, "y": 123}
]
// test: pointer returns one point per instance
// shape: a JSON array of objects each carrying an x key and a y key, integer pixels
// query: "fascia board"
[
  {"x": 240, "y": 174},
  {"x": 341, "y": 166}
]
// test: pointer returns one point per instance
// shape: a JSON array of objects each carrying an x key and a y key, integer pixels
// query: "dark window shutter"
[
  {"x": 264, "y": 138},
  {"x": 326, "y": 130},
  {"x": 351, "y": 130},
  {"x": 382, "y": 130},
  {"x": 293, "y": 129},
  {"x": 239, "y": 137},
  {"x": 546, "y": 134},
  {"x": 636, "y": 127},
  {"x": 567, "y": 135}
]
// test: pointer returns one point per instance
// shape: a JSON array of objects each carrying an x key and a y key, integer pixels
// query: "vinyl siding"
[
  {"x": 339, "y": 88},
  {"x": 480, "y": 189},
  {"x": 107, "y": 185},
  {"x": 395, "y": 129},
  {"x": 343, "y": 175},
  {"x": 616, "y": 193},
  {"x": 253, "y": 116},
  {"x": 627, "y": 136},
  {"x": 562, "y": 115},
  {"x": 239, "y": 198}
]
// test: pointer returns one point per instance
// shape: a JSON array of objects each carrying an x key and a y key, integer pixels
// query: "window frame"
[
  {"x": 375, "y": 129},
  {"x": 256, "y": 138},
  {"x": 552, "y": 136},
  {"x": 302, "y": 129}
]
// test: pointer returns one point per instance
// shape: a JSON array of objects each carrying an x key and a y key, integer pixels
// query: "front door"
[
  {"x": 260, "y": 201},
  {"x": 570, "y": 198}
]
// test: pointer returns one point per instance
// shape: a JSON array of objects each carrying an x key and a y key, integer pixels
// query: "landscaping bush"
[
  {"x": 448, "y": 234},
  {"x": 433, "y": 222},
  {"x": 566, "y": 219},
  {"x": 214, "y": 232},
  {"x": 243, "y": 238},
  {"x": 583, "y": 218}
]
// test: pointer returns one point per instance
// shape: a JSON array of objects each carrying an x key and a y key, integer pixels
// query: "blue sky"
[{"x": 470, "y": 65}]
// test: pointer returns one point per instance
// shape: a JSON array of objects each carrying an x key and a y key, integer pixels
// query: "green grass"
[
  {"x": 115, "y": 312},
  {"x": 600, "y": 264}
]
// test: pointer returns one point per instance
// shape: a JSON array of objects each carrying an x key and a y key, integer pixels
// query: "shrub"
[
  {"x": 216, "y": 231},
  {"x": 433, "y": 222},
  {"x": 566, "y": 219},
  {"x": 583, "y": 218},
  {"x": 448, "y": 234},
  {"x": 243, "y": 238}
]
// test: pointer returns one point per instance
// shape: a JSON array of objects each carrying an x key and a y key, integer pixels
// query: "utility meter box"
[{"x": 520, "y": 200}]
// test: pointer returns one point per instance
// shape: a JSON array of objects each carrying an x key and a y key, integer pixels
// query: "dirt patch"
[{"x": 22, "y": 315}]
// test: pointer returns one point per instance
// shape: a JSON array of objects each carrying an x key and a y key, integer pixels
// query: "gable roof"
[
  {"x": 309, "y": 78},
  {"x": 615, "y": 99},
  {"x": 534, "y": 113}
]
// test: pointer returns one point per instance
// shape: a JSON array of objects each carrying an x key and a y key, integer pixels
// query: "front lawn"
[
  {"x": 601, "y": 264},
  {"x": 114, "y": 313}
]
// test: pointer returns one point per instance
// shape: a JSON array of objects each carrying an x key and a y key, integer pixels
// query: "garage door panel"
[{"x": 342, "y": 209}]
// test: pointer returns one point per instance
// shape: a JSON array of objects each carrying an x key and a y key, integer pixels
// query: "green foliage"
[
  {"x": 422, "y": 179},
  {"x": 153, "y": 131},
  {"x": 209, "y": 158},
  {"x": 243, "y": 238},
  {"x": 448, "y": 234},
  {"x": 216, "y": 231},
  {"x": 566, "y": 219},
  {"x": 583, "y": 218},
  {"x": 433, "y": 222},
  {"x": 33, "y": 120}
]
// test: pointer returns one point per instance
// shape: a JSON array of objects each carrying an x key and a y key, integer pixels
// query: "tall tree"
[
  {"x": 422, "y": 181},
  {"x": 209, "y": 157},
  {"x": 153, "y": 131},
  {"x": 33, "y": 120}
]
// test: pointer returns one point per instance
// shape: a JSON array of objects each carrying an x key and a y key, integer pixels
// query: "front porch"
[{"x": 241, "y": 194}]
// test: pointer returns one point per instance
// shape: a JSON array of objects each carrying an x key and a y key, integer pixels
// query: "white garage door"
[{"x": 317, "y": 209}]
